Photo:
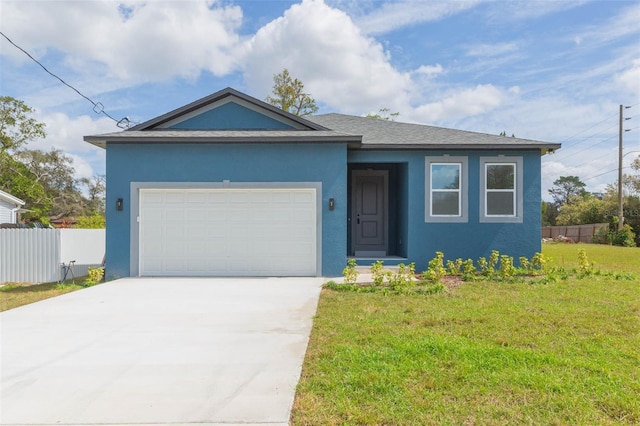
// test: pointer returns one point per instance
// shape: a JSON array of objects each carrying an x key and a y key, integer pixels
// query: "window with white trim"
[
  {"x": 446, "y": 189},
  {"x": 501, "y": 185}
]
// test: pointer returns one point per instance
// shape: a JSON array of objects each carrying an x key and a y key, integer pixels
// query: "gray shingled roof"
[
  {"x": 357, "y": 132},
  {"x": 384, "y": 134}
]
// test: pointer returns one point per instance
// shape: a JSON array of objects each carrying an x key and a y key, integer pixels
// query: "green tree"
[
  {"x": 383, "y": 114},
  {"x": 566, "y": 188},
  {"x": 17, "y": 127},
  {"x": 632, "y": 181},
  {"x": 17, "y": 179},
  {"x": 549, "y": 213},
  {"x": 96, "y": 221},
  {"x": 96, "y": 190},
  {"x": 583, "y": 211},
  {"x": 54, "y": 171},
  {"x": 289, "y": 95}
]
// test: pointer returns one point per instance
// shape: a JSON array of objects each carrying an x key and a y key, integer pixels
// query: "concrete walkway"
[{"x": 158, "y": 351}]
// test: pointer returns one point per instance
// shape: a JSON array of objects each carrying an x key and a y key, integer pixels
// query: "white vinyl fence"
[{"x": 36, "y": 255}]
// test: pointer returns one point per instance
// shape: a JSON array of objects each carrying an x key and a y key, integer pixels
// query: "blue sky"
[{"x": 554, "y": 71}]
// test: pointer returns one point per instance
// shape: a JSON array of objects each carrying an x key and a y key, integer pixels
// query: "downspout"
[{"x": 14, "y": 214}]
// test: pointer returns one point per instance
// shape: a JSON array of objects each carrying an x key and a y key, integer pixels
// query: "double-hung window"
[
  {"x": 501, "y": 185},
  {"x": 446, "y": 189}
]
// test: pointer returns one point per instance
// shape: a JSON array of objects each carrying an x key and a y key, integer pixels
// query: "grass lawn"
[
  {"x": 14, "y": 295},
  {"x": 563, "y": 353}
]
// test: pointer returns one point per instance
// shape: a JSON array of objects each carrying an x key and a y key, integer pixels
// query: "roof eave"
[
  {"x": 545, "y": 148},
  {"x": 11, "y": 199},
  {"x": 352, "y": 141}
]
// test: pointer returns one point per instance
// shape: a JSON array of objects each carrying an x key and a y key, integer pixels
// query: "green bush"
[
  {"x": 404, "y": 279},
  {"x": 95, "y": 276},
  {"x": 97, "y": 221},
  {"x": 624, "y": 237},
  {"x": 436, "y": 270},
  {"x": 350, "y": 272},
  {"x": 377, "y": 272}
]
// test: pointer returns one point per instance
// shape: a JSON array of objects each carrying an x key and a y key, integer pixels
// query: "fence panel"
[
  {"x": 85, "y": 246},
  {"x": 29, "y": 255},
  {"x": 578, "y": 233}
]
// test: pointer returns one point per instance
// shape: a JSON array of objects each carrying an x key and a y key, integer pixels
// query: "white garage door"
[{"x": 227, "y": 232}]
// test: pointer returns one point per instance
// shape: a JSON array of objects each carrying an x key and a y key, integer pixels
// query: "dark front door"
[{"x": 369, "y": 207}]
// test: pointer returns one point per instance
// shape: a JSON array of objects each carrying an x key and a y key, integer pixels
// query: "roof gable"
[
  {"x": 5, "y": 196},
  {"x": 228, "y": 109}
]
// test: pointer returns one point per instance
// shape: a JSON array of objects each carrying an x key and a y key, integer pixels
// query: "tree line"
[
  {"x": 573, "y": 205},
  {"x": 45, "y": 180}
]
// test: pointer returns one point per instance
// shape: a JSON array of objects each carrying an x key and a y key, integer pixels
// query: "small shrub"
[
  {"x": 493, "y": 261},
  {"x": 454, "y": 267},
  {"x": 436, "y": 270},
  {"x": 404, "y": 279},
  {"x": 624, "y": 237},
  {"x": 350, "y": 272},
  {"x": 539, "y": 263},
  {"x": 507, "y": 270},
  {"x": 377, "y": 272},
  {"x": 95, "y": 276},
  {"x": 468, "y": 268},
  {"x": 483, "y": 265},
  {"x": 584, "y": 266}
]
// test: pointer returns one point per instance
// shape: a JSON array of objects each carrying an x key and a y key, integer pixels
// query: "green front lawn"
[
  {"x": 18, "y": 294},
  {"x": 567, "y": 352}
]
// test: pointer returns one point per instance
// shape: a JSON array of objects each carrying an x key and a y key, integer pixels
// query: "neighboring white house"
[{"x": 9, "y": 207}]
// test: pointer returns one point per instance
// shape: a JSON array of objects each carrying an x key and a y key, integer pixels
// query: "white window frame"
[
  {"x": 463, "y": 192},
  {"x": 517, "y": 189}
]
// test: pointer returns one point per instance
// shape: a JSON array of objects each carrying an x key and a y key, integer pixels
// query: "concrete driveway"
[{"x": 158, "y": 351}]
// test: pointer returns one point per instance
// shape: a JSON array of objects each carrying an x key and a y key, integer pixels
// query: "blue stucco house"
[{"x": 231, "y": 186}]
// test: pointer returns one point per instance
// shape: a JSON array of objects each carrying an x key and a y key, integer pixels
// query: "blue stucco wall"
[
  {"x": 231, "y": 116},
  {"x": 465, "y": 240},
  {"x": 324, "y": 163}
]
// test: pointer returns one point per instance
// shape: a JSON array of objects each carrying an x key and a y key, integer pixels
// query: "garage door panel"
[{"x": 228, "y": 232}]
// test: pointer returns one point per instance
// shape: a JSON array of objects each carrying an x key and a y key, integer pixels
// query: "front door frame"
[{"x": 381, "y": 250}]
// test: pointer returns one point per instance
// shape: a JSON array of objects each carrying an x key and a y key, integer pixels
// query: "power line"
[
  {"x": 98, "y": 108},
  {"x": 589, "y": 128},
  {"x": 604, "y": 173}
]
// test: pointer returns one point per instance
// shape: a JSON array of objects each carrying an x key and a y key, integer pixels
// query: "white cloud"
[
  {"x": 530, "y": 9},
  {"x": 81, "y": 166},
  {"x": 66, "y": 134},
  {"x": 491, "y": 49},
  {"x": 622, "y": 25},
  {"x": 151, "y": 41},
  {"x": 630, "y": 78},
  {"x": 459, "y": 104},
  {"x": 340, "y": 67},
  {"x": 395, "y": 15},
  {"x": 429, "y": 70}
]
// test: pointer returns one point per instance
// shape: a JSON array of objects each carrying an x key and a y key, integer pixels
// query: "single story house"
[
  {"x": 231, "y": 186},
  {"x": 10, "y": 207}
]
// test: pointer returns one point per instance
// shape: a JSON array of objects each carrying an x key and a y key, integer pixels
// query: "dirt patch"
[{"x": 451, "y": 282}]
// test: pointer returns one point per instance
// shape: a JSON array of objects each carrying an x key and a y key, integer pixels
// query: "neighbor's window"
[
  {"x": 446, "y": 189},
  {"x": 501, "y": 184}
]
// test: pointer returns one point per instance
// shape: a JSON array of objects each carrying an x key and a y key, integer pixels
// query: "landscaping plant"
[{"x": 521, "y": 350}]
